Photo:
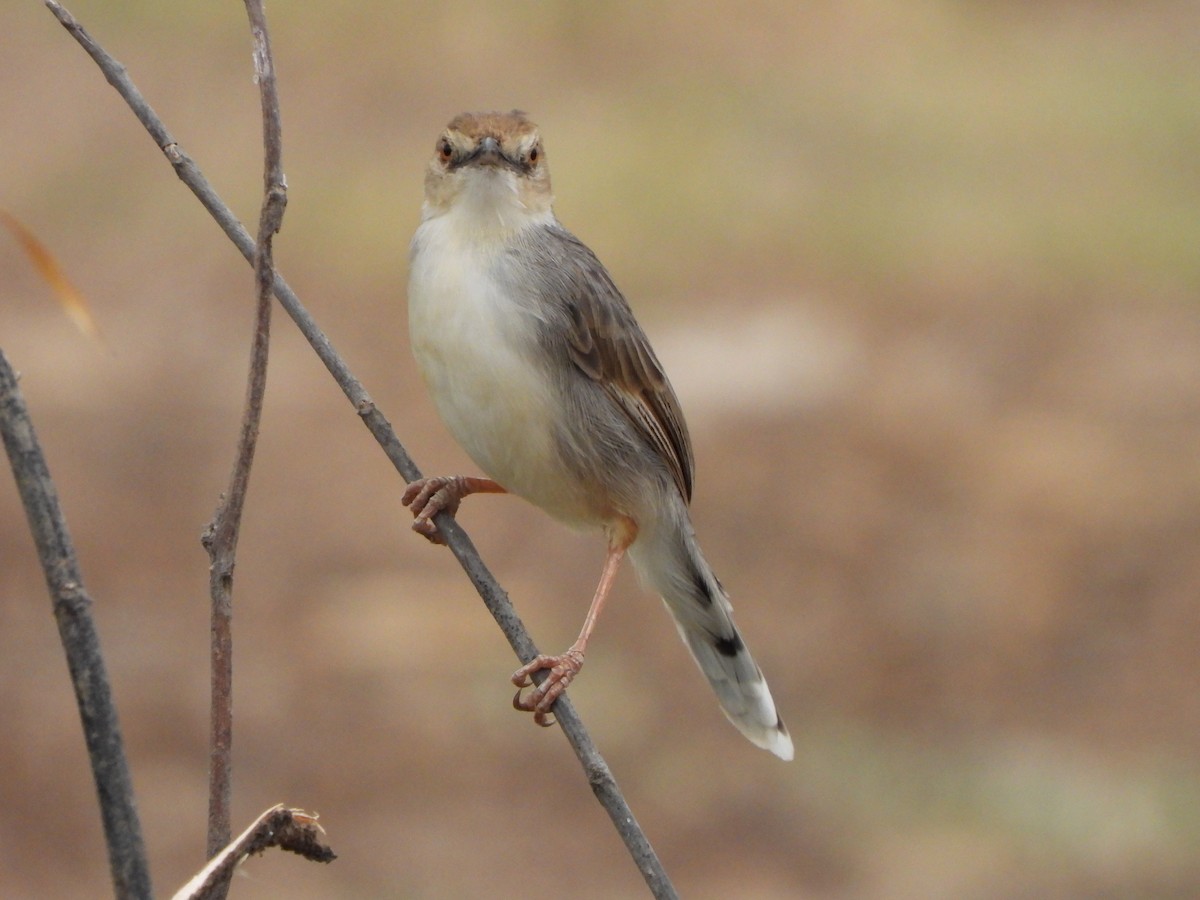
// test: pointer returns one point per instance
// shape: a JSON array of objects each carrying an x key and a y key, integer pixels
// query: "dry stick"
[
  {"x": 220, "y": 539},
  {"x": 599, "y": 775},
  {"x": 72, "y": 605},
  {"x": 289, "y": 829}
]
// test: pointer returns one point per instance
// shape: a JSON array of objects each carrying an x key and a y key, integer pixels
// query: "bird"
[{"x": 540, "y": 371}]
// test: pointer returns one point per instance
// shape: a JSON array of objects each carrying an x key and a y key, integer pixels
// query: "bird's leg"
[
  {"x": 563, "y": 668},
  {"x": 442, "y": 493}
]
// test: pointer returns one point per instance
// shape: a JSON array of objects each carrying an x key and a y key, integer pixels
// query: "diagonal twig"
[
  {"x": 221, "y": 537},
  {"x": 599, "y": 775},
  {"x": 72, "y": 610},
  {"x": 288, "y": 829}
]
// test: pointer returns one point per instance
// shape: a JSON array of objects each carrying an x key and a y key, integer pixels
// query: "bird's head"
[{"x": 490, "y": 166}]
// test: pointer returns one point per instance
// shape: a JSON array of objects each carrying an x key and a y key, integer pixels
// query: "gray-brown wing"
[{"x": 607, "y": 345}]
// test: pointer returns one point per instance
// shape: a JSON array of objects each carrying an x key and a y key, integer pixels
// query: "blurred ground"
[{"x": 925, "y": 276}]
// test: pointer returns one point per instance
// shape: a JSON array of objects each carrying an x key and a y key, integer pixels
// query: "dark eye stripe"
[{"x": 517, "y": 165}]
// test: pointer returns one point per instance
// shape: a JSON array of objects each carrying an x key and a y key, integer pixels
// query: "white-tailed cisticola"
[{"x": 542, "y": 374}]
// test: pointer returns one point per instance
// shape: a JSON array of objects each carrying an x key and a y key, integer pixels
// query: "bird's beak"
[{"x": 488, "y": 153}]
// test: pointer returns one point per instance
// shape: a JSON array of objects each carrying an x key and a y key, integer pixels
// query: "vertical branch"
[
  {"x": 72, "y": 610},
  {"x": 220, "y": 539}
]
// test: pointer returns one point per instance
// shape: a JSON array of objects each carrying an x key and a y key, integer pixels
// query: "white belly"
[{"x": 473, "y": 346}]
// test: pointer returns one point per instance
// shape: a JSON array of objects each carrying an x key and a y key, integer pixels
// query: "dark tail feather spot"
[
  {"x": 702, "y": 589},
  {"x": 730, "y": 646}
]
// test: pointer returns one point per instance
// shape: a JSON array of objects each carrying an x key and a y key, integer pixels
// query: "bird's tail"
[{"x": 669, "y": 561}]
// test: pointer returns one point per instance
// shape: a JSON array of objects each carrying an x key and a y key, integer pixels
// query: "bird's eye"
[
  {"x": 445, "y": 151},
  {"x": 535, "y": 154}
]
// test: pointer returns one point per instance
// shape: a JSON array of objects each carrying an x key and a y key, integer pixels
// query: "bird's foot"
[
  {"x": 442, "y": 493},
  {"x": 429, "y": 496},
  {"x": 562, "y": 669}
]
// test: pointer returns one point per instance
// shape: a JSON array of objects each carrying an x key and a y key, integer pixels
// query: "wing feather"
[{"x": 607, "y": 345}]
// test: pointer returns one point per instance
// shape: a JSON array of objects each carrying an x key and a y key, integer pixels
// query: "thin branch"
[
  {"x": 220, "y": 540},
  {"x": 599, "y": 776},
  {"x": 288, "y": 829},
  {"x": 72, "y": 611}
]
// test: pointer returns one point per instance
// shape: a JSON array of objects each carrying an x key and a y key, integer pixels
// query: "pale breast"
[{"x": 476, "y": 348}]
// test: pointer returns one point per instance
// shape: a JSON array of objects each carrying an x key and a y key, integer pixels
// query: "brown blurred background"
[{"x": 925, "y": 276}]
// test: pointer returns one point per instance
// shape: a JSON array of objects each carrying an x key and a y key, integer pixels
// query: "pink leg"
[
  {"x": 430, "y": 496},
  {"x": 563, "y": 668}
]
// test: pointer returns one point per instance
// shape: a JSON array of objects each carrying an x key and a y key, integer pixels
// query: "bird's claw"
[
  {"x": 429, "y": 496},
  {"x": 560, "y": 672},
  {"x": 539, "y": 718}
]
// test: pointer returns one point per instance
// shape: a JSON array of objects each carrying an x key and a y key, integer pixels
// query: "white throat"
[{"x": 488, "y": 203}]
